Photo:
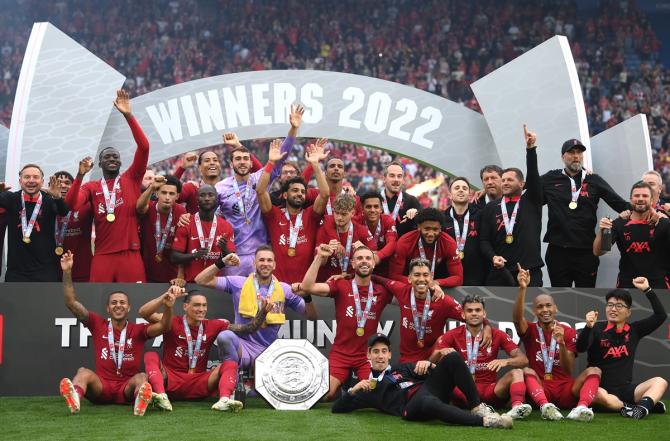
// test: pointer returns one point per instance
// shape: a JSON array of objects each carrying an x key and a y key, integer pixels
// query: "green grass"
[{"x": 47, "y": 418}]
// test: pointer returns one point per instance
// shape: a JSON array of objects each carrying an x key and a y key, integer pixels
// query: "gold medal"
[
  {"x": 158, "y": 258},
  {"x": 473, "y": 377},
  {"x": 548, "y": 376},
  {"x": 191, "y": 371},
  {"x": 247, "y": 221},
  {"x": 373, "y": 384},
  {"x": 572, "y": 205},
  {"x": 26, "y": 239},
  {"x": 59, "y": 251},
  {"x": 360, "y": 332},
  {"x": 111, "y": 217},
  {"x": 291, "y": 252},
  {"x": 419, "y": 343},
  {"x": 461, "y": 255},
  {"x": 509, "y": 239}
]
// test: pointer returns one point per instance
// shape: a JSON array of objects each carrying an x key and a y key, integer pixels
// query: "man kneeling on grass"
[{"x": 418, "y": 391}]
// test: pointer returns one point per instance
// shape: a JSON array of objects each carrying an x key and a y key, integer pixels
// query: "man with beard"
[
  {"x": 643, "y": 245},
  {"x": 334, "y": 178},
  {"x": 491, "y": 177},
  {"x": 73, "y": 232},
  {"x": 31, "y": 218},
  {"x": 611, "y": 346},
  {"x": 205, "y": 239},
  {"x": 431, "y": 243},
  {"x": 463, "y": 223},
  {"x": 343, "y": 236},
  {"x": 655, "y": 181},
  {"x": 238, "y": 202},
  {"x": 117, "y": 243},
  {"x": 247, "y": 292},
  {"x": 358, "y": 307},
  {"x": 288, "y": 171},
  {"x": 572, "y": 197},
  {"x": 293, "y": 229},
  {"x": 551, "y": 351},
  {"x": 397, "y": 203},
  {"x": 511, "y": 226},
  {"x": 382, "y": 228}
]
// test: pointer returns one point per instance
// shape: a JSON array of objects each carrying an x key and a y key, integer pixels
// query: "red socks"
[
  {"x": 517, "y": 393},
  {"x": 152, "y": 365},
  {"x": 535, "y": 390},
  {"x": 589, "y": 390},
  {"x": 228, "y": 380}
]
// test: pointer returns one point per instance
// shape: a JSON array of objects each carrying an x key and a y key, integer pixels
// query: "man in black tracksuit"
[
  {"x": 572, "y": 198},
  {"x": 418, "y": 391},
  {"x": 611, "y": 346}
]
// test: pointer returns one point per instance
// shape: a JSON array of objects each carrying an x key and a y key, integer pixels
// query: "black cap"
[
  {"x": 379, "y": 338},
  {"x": 571, "y": 144}
]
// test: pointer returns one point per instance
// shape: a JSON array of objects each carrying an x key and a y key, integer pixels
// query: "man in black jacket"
[
  {"x": 611, "y": 346},
  {"x": 418, "y": 391}
]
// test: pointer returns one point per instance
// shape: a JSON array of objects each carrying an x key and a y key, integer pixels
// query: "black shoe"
[
  {"x": 658, "y": 407},
  {"x": 636, "y": 412}
]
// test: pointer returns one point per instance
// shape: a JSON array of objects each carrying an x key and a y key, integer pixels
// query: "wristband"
[
  {"x": 647, "y": 291},
  {"x": 219, "y": 263},
  {"x": 307, "y": 298},
  {"x": 269, "y": 167}
]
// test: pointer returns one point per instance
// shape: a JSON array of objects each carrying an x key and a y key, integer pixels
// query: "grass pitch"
[{"x": 38, "y": 418}]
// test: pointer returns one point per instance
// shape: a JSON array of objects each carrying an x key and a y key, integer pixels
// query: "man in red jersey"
[
  {"x": 428, "y": 242},
  {"x": 342, "y": 235},
  {"x": 183, "y": 373},
  {"x": 382, "y": 228},
  {"x": 200, "y": 243},
  {"x": 358, "y": 307},
  {"x": 117, "y": 243},
  {"x": 551, "y": 348},
  {"x": 158, "y": 224},
  {"x": 293, "y": 229},
  {"x": 335, "y": 178},
  {"x": 118, "y": 346},
  {"x": 484, "y": 362}
]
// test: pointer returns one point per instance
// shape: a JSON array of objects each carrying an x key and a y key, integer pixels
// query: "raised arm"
[
  {"x": 309, "y": 281},
  {"x": 584, "y": 337},
  {"x": 274, "y": 155},
  {"x": 71, "y": 302},
  {"x": 533, "y": 183},
  {"x": 566, "y": 356},
  {"x": 141, "y": 158},
  {"x": 165, "y": 322},
  {"x": 314, "y": 155},
  {"x": 74, "y": 198},
  {"x": 518, "y": 318},
  {"x": 648, "y": 325},
  {"x": 207, "y": 277},
  {"x": 143, "y": 201}
]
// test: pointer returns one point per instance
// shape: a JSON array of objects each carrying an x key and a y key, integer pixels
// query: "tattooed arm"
[{"x": 77, "y": 309}]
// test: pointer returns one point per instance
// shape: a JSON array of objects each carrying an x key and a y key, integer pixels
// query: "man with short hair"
[
  {"x": 335, "y": 178},
  {"x": 358, "y": 307},
  {"x": 117, "y": 243},
  {"x": 118, "y": 345},
  {"x": 397, "y": 203},
  {"x": 343, "y": 236},
  {"x": 158, "y": 222},
  {"x": 418, "y": 391},
  {"x": 551, "y": 351},
  {"x": 572, "y": 196},
  {"x": 381, "y": 226},
  {"x": 206, "y": 238},
  {"x": 655, "y": 181},
  {"x": 293, "y": 229},
  {"x": 611, "y": 347},
  {"x": 511, "y": 226},
  {"x": 428, "y": 242},
  {"x": 183, "y": 374},
  {"x": 288, "y": 171},
  {"x": 643, "y": 245},
  {"x": 31, "y": 219},
  {"x": 491, "y": 176},
  {"x": 238, "y": 202},
  {"x": 484, "y": 363}
]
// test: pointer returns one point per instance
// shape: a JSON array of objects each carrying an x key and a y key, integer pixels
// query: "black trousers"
[
  {"x": 506, "y": 277},
  {"x": 430, "y": 402},
  {"x": 571, "y": 265}
]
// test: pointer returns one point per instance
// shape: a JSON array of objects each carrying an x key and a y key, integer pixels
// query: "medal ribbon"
[
  {"x": 161, "y": 236},
  {"x": 201, "y": 237},
  {"x": 378, "y": 232},
  {"x": 293, "y": 230},
  {"x": 344, "y": 260},
  {"x": 329, "y": 207},
  {"x": 509, "y": 221},
  {"x": 60, "y": 227},
  {"x": 461, "y": 238},
  {"x": 257, "y": 287},
  {"x": 396, "y": 208},
  {"x": 110, "y": 200},
  {"x": 472, "y": 349},
  {"x": 573, "y": 186},
  {"x": 422, "y": 252},
  {"x": 547, "y": 358},
  {"x": 27, "y": 225},
  {"x": 362, "y": 317},
  {"x": 420, "y": 322},
  {"x": 117, "y": 358},
  {"x": 241, "y": 200},
  {"x": 192, "y": 352},
  {"x": 379, "y": 377}
]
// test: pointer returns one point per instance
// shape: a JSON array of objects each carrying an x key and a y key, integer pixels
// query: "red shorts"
[
  {"x": 560, "y": 393},
  {"x": 185, "y": 386},
  {"x": 112, "y": 392},
  {"x": 486, "y": 395},
  {"x": 340, "y": 367},
  {"x": 122, "y": 267}
]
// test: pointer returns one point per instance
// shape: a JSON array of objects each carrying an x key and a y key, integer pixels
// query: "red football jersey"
[
  {"x": 531, "y": 343},
  {"x": 78, "y": 240},
  {"x": 162, "y": 271},
  {"x": 105, "y": 367},
  {"x": 175, "y": 346},
  {"x": 327, "y": 232}
]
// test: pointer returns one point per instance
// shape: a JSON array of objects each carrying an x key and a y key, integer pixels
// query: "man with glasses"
[{"x": 611, "y": 346}]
